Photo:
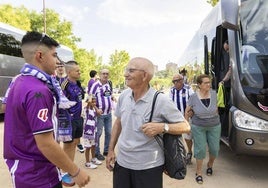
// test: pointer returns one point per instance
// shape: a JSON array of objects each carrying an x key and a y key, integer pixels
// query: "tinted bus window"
[{"x": 9, "y": 45}]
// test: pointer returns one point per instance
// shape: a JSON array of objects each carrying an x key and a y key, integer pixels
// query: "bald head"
[
  {"x": 143, "y": 64},
  {"x": 177, "y": 76}
]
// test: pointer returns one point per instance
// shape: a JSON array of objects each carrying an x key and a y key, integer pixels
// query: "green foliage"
[
  {"x": 87, "y": 61},
  {"x": 57, "y": 29},
  {"x": 18, "y": 17},
  {"x": 212, "y": 2},
  {"x": 117, "y": 64},
  {"x": 61, "y": 30}
]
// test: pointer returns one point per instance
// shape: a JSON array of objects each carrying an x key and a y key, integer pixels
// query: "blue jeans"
[{"x": 106, "y": 122}]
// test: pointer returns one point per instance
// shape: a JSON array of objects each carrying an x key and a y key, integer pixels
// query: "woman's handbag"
[{"x": 174, "y": 151}]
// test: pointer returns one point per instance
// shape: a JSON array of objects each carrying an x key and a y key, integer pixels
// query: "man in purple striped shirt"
[{"x": 102, "y": 90}]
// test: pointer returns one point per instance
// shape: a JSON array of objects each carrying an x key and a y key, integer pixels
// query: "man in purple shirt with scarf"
[{"x": 30, "y": 150}]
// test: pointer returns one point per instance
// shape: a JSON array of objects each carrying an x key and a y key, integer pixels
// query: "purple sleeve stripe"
[{"x": 43, "y": 131}]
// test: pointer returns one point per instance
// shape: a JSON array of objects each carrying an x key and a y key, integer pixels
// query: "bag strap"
[
  {"x": 158, "y": 138},
  {"x": 153, "y": 105}
]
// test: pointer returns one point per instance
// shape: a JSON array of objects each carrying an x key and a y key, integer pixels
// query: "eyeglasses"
[
  {"x": 131, "y": 70},
  {"x": 176, "y": 81}
]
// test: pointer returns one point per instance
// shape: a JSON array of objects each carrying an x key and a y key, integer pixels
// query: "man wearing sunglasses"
[{"x": 180, "y": 93}]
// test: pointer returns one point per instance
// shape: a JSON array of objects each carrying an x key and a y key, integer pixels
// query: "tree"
[
  {"x": 14, "y": 16},
  {"x": 212, "y": 2},
  {"x": 87, "y": 62},
  {"x": 57, "y": 29},
  {"x": 60, "y": 30},
  {"x": 117, "y": 64}
]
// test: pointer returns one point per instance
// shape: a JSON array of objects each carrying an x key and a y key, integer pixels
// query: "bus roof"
[{"x": 8, "y": 29}]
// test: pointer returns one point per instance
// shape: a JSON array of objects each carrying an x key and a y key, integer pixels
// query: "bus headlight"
[{"x": 247, "y": 121}]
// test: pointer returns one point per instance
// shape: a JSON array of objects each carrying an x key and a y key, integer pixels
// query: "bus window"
[
  {"x": 252, "y": 75},
  {"x": 9, "y": 45}
]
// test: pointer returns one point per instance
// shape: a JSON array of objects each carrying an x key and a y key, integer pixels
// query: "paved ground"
[
  {"x": 100, "y": 177},
  {"x": 230, "y": 171}
]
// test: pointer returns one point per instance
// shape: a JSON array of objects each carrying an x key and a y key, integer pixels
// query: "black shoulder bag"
[{"x": 174, "y": 151}]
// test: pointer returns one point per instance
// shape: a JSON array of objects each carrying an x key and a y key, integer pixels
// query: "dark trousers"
[
  {"x": 127, "y": 178},
  {"x": 59, "y": 185},
  {"x": 224, "y": 112}
]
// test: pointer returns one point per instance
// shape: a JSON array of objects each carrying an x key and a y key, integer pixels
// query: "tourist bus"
[
  {"x": 244, "y": 24},
  {"x": 11, "y": 60}
]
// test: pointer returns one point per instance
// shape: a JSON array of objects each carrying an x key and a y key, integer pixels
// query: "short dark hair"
[
  {"x": 72, "y": 62},
  {"x": 92, "y": 73},
  {"x": 38, "y": 38},
  {"x": 69, "y": 65},
  {"x": 183, "y": 71}
]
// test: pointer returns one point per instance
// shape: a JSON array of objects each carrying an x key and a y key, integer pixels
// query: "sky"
[{"x": 159, "y": 30}]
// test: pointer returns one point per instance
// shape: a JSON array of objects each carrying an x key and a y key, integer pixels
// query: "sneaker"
[
  {"x": 105, "y": 153},
  {"x": 67, "y": 180},
  {"x": 100, "y": 157},
  {"x": 96, "y": 161},
  {"x": 90, "y": 165},
  {"x": 80, "y": 148},
  {"x": 189, "y": 158}
]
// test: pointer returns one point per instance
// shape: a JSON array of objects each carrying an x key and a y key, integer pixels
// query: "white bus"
[
  {"x": 11, "y": 60},
  {"x": 244, "y": 24}
]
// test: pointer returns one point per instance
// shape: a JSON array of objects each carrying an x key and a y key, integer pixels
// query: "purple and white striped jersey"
[{"x": 103, "y": 94}]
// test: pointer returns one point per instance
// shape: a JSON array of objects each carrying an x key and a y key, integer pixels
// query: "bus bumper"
[{"x": 247, "y": 141}]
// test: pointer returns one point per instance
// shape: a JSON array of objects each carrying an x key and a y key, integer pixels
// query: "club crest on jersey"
[{"x": 42, "y": 114}]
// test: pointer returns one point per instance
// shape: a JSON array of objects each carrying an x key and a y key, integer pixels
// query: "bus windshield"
[{"x": 254, "y": 56}]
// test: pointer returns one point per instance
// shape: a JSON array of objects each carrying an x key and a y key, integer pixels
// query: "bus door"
[{"x": 219, "y": 67}]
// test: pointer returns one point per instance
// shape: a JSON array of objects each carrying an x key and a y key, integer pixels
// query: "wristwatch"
[{"x": 166, "y": 128}]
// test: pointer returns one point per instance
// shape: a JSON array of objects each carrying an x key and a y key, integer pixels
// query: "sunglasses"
[
  {"x": 176, "y": 81},
  {"x": 44, "y": 37}
]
